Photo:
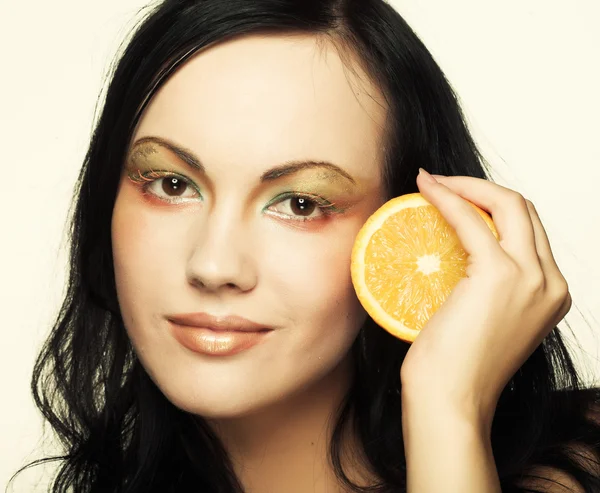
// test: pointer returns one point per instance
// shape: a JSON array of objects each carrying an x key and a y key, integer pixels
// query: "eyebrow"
[{"x": 287, "y": 168}]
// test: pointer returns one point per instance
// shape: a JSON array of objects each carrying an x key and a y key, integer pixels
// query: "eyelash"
[
  {"x": 144, "y": 180},
  {"x": 327, "y": 208}
]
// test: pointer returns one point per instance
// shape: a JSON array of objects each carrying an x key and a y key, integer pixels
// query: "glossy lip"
[
  {"x": 216, "y": 336},
  {"x": 228, "y": 322}
]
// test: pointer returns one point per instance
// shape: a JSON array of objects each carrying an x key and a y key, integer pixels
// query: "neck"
[{"x": 286, "y": 447}]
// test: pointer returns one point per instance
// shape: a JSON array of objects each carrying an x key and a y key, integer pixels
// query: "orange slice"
[{"x": 405, "y": 262}]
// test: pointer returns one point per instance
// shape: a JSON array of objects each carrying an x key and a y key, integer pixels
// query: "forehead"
[{"x": 259, "y": 100}]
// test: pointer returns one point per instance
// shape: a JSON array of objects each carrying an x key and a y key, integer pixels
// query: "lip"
[
  {"x": 216, "y": 336},
  {"x": 228, "y": 322}
]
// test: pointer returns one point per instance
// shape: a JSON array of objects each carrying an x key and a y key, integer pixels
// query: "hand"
[{"x": 512, "y": 297}]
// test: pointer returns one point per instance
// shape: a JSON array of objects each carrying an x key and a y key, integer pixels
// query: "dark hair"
[{"x": 120, "y": 433}]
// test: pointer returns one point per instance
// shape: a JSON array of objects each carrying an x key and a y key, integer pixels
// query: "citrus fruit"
[{"x": 406, "y": 260}]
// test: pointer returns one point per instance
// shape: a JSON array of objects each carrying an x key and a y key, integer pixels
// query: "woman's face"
[{"x": 245, "y": 222}]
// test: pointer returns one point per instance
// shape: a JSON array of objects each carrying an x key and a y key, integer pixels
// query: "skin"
[
  {"x": 242, "y": 108},
  {"x": 512, "y": 297},
  {"x": 247, "y": 106}
]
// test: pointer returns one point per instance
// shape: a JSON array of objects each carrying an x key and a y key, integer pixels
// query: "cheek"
[
  {"x": 144, "y": 254},
  {"x": 129, "y": 235},
  {"x": 311, "y": 276}
]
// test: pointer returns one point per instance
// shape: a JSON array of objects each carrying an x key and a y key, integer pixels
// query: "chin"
[
  {"x": 219, "y": 389},
  {"x": 221, "y": 406},
  {"x": 212, "y": 401}
]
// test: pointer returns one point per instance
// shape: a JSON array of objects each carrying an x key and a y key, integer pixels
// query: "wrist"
[
  {"x": 457, "y": 447},
  {"x": 444, "y": 410}
]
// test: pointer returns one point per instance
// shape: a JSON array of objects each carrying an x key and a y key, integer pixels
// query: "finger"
[
  {"x": 542, "y": 244},
  {"x": 561, "y": 314},
  {"x": 565, "y": 308},
  {"x": 509, "y": 212},
  {"x": 554, "y": 278},
  {"x": 474, "y": 234}
]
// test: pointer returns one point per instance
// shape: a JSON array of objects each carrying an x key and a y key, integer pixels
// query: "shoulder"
[{"x": 545, "y": 479}]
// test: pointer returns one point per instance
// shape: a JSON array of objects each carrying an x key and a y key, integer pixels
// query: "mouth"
[
  {"x": 226, "y": 323},
  {"x": 216, "y": 336}
]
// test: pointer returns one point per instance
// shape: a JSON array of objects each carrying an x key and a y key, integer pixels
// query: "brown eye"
[
  {"x": 169, "y": 187},
  {"x": 302, "y": 206},
  {"x": 173, "y": 186}
]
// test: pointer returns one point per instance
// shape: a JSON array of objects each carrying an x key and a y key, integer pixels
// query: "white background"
[{"x": 527, "y": 72}]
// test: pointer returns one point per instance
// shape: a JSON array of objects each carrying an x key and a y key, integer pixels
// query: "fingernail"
[{"x": 427, "y": 176}]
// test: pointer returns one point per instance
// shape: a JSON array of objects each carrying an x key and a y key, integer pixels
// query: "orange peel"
[{"x": 405, "y": 262}]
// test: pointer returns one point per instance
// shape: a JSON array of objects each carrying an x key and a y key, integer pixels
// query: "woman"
[{"x": 211, "y": 340}]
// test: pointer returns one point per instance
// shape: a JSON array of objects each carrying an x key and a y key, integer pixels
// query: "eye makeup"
[
  {"x": 143, "y": 169},
  {"x": 304, "y": 202},
  {"x": 313, "y": 193},
  {"x": 149, "y": 178},
  {"x": 321, "y": 182}
]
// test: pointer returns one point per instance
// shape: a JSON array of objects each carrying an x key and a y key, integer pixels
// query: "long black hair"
[{"x": 119, "y": 432}]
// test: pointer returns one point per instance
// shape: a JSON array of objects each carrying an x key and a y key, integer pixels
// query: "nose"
[{"x": 221, "y": 257}]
